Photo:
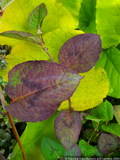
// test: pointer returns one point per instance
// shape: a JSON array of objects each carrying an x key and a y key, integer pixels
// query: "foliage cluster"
[{"x": 54, "y": 94}]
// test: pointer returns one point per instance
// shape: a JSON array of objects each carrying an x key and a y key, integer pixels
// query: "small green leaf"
[
  {"x": 113, "y": 128},
  {"x": 22, "y": 36},
  {"x": 73, "y": 152},
  {"x": 86, "y": 149},
  {"x": 117, "y": 113},
  {"x": 92, "y": 118},
  {"x": 97, "y": 152},
  {"x": 51, "y": 149},
  {"x": 36, "y": 16}
]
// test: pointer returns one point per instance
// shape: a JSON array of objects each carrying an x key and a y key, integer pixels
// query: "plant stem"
[
  {"x": 93, "y": 133},
  {"x": 16, "y": 135},
  {"x": 44, "y": 47},
  {"x": 12, "y": 124}
]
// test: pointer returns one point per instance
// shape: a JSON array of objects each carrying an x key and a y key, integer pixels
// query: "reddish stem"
[
  {"x": 16, "y": 134},
  {"x": 12, "y": 124}
]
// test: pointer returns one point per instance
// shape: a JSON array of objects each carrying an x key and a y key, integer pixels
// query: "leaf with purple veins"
[
  {"x": 67, "y": 128},
  {"x": 81, "y": 52},
  {"x": 37, "y": 89}
]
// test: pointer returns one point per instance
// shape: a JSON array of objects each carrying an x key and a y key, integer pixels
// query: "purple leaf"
[
  {"x": 81, "y": 52},
  {"x": 22, "y": 36},
  {"x": 67, "y": 128},
  {"x": 106, "y": 143},
  {"x": 37, "y": 88},
  {"x": 1, "y": 157}
]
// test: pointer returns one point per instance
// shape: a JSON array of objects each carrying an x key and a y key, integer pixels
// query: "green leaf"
[
  {"x": 117, "y": 113},
  {"x": 105, "y": 111},
  {"x": 113, "y": 128},
  {"x": 36, "y": 16},
  {"x": 22, "y": 36},
  {"x": 97, "y": 152},
  {"x": 92, "y": 118},
  {"x": 110, "y": 60},
  {"x": 73, "y": 152},
  {"x": 51, "y": 149},
  {"x": 86, "y": 149},
  {"x": 32, "y": 137},
  {"x": 107, "y": 19},
  {"x": 87, "y": 15},
  {"x": 90, "y": 92}
]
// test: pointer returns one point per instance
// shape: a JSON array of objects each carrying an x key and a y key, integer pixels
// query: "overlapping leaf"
[
  {"x": 106, "y": 143},
  {"x": 81, "y": 52},
  {"x": 37, "y": 88},
  {"x": 67, "y": 128},
  {"x": 22, "y": 36},
  {"x": 113, "y": 128},
  {"x": 51, "y": 149},
  {"x": 91, "y": 91},
  {"x": 36, "y": 16}
]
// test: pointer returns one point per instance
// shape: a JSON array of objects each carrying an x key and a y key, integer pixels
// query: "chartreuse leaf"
[
  {"x": 25, "y": 51},
  {"x": 25, "y": 36},
  {"x": 117, "y": 113},
  {"x": 113, "y": 128},
  {"x": 73, "y": 152},
  {"x": 21, "y": 53},
  {"x": 106, "y": 143},
  {"x": 32, "y": 137},
  {"x": 36, "y": 16},
  {"x": 16, "y": 16},
  {"x": 110, "y": 60},
  {"x": 90, "y": 92},
  {"x": 107, "y": 19},
  {"x": 87, "y": 15},
  {"x": 86, "y": 149},
  {"x": 81, "y": 52},
  {"x": 51, "y": 149},
  {"x": 41, "y": 87},
  {"x": 67, "y": 128}
]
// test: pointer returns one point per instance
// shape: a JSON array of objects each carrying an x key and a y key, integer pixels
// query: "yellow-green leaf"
[{"x": 90, "y": 92}]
